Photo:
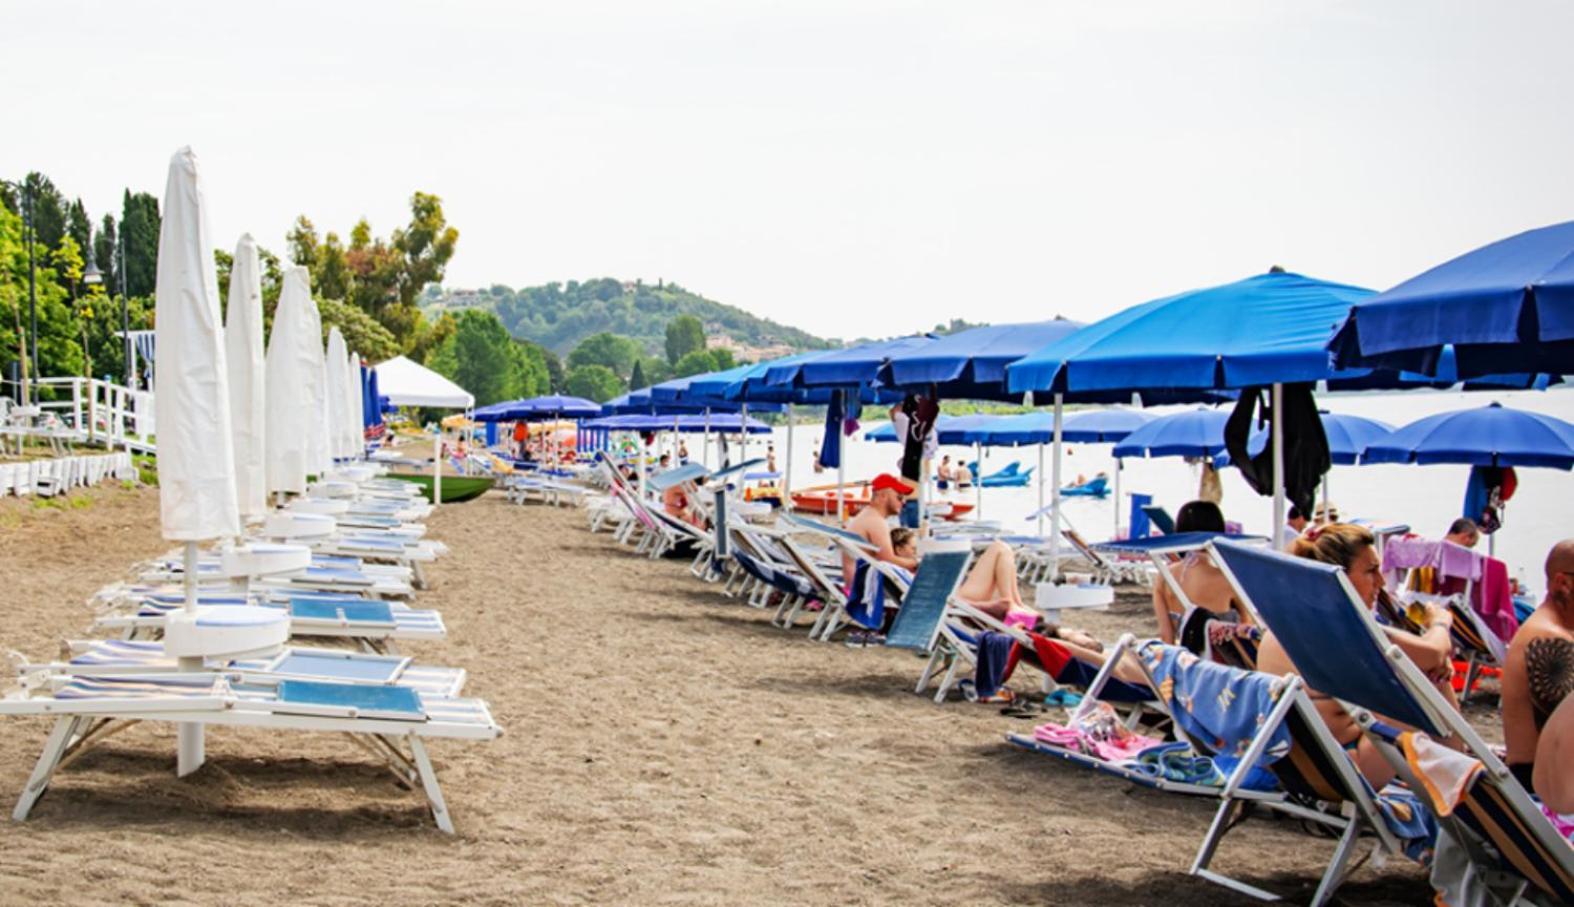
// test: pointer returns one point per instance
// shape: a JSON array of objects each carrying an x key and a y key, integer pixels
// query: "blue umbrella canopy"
[
  {"x": 950, "y": 429},
  {"x": 1192, "y": 433},
  {"x": 854, "y": 366},
  {"x": 971, "y": 364},
  {"x": 1491, "y": 435},
  {"x": 552, "y": 406},
  {"x": 1348, "y": 437},
  {"x": 728, "y": 423},
  {"x": 1507, "y": 306},
  {"x": 1266, "y": 329}
]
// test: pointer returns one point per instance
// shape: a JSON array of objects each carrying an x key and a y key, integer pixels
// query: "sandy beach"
[{"x": 663, "y": 745}]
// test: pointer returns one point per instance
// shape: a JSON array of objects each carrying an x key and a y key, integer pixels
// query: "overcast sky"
[{"x": 852, "y": 168}]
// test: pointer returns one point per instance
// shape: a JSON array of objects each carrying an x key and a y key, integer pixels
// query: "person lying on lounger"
[
  {"x": 1355, "y": 549},
  {"x": 1539, "y": 671},
  {"x": 678, "y": 501},
  {"x": 1203, "y": 583},
  {"x": 991, "y": 584}
]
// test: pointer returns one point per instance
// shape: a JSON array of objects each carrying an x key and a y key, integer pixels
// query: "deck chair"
[
  {"x": 818, "y": 576},
  {"x": 834, "y": 616},
  {"x": 1160, "y": 518},
  {"x": 138, "y": 613},
  {"x": 1108, "y": 569},
  {"x": 1106, "y": 688},
  {"x": 1372, "y": 677},
  {"x": 392, "y": 721}
]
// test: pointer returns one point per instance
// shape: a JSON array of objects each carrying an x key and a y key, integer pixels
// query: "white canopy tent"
[
  {"x": 407, "y": 383},
  {"x": 248, "y": 401}
]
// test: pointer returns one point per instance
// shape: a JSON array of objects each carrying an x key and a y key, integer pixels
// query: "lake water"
[{"x": 1428, "y": 498}]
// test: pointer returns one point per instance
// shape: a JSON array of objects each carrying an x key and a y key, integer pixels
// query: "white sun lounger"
[
  {"x": 391, "y": 721},
  {"x": 374, "y": 625}
]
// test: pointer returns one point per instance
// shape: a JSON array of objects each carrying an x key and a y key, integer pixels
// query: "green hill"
[{"x": 558, "y": 315}]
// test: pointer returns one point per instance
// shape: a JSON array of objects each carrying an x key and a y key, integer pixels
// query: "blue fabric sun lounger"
[{"x": 1314, "y": 610}]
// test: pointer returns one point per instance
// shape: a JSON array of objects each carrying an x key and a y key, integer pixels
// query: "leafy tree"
[
  {"x": 616, "y": 353},
  {"x": 593, "y": 382},
  {"x": 723, "y": 359},
  {"x": 139, "y": 226},
  {"x": 537, "y": 375},
  {"x": 480, "y": 357},
  {"x": 430, "y": 337},
  {"x": 685, "y": 334},
  {"x": 656, "y": 369},
  {"x": 695, "y": 363},
  {"x": 550, "y": 362},
  {"x": 49, "y": 211},
  {"x": 384, "y": 278},
  {"x": 361, "y": 331},
  {"x": 104, "y": 253},
  {"x": 637, "y": 377}
]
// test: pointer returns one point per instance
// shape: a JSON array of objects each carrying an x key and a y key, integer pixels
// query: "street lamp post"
[
  {"x": 125, "y": 313},
  {"x": 32, "y": 285}
]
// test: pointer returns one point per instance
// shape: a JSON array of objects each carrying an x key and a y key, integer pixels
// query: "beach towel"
[
  {"x": 1221, "y": 706},
  {"x": 1096, "y": 731},
  {"x": 1066, "y": 669},
  {"x": 867, "y": 594},
  {"x": 997, "y": 658},
  {"x": 1493, "y": 599}
]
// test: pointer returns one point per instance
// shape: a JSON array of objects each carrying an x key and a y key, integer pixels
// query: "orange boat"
[{"x": 821, "y": 501}]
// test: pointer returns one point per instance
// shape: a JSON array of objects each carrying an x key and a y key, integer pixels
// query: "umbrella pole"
[
  {"x": 1278, "y": 460},
  {"x": 743, "y": 434},
  {"x": 1054, "y": 491},
  {"x": 841, "y": 478},
  {"x": 188, "y": 746},
  {"x": 978, "y": 487},
  {"x": 705, "y": 444},
  {"x": 1116, "y": 533},
  {"x": 786, "y": 485},
  {"x": 437, "y": 466}
]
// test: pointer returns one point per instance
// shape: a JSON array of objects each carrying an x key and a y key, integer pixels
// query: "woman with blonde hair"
[{"x": 1354, "y": 548}]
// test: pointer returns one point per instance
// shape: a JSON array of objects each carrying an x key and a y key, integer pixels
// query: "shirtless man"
[
  {"x": 1533, "y": 686},
  {"x": 1464, "y": 532},
  {"x": 991, "y": 586},
  {"x": 1554, "y": 773}
]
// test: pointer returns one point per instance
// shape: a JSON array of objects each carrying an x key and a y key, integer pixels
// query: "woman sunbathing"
[
  {"x": 1203, "y": 583},
  {"x": 1354, "y": 548}
]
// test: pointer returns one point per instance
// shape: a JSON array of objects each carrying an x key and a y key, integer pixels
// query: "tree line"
[{"x": 369, "y": 287}]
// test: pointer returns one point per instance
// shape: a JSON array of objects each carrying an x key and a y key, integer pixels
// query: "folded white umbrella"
[
  {"x": 243, "y": 352},
  {"x": 354, "y": 441},
  {"x": 289, "y": 367},
  {"x": 333, "y": 374},
  {"x": 196, "y": 459},
  {"x": 319, "y": 452}
]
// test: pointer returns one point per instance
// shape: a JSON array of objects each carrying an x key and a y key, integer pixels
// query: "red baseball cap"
[{"x": 885, "y": 480}]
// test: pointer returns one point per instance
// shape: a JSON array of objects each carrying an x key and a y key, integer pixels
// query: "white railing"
[{"x": 101, "y": 412}]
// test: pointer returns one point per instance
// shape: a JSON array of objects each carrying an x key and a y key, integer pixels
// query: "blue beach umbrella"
[
  {"x": 971, "y": 364},
  {"x": 1505, "y": 307},
  {"x": 1492, "y": 435},
  {"x": 1192, "y": 433},
  {"x": 558, "y": 406},
  {"x": 856, "y": 366}
]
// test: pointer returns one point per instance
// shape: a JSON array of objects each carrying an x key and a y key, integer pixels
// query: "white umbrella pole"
[
  {"x": 1278, "y": 460},
  {"x": 978, "y": 487},
  {"x": 786, "y": 485},
  {"x": 743, "y": 434},
  {"x": 1040, "y": 485},
  {"x": 841, "y": 477},
  {"x": 1054, "y": 491},
  {"x": 437, "y": 465},
  {"x": 705, "y": 443},
  {"x": 1116, "y": 533}
]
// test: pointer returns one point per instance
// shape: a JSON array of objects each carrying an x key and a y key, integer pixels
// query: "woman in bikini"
[
  {"x": 1354, "y": 548},
  {"x": 1204, "y": 584}
]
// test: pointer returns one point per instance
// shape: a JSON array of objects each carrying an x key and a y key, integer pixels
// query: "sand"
[{"x": 663, "y": 745}]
